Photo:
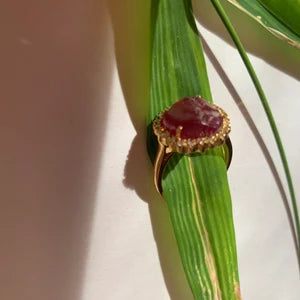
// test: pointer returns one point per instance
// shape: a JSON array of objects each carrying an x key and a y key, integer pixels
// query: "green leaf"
[
  {"x": 279, "y": 24},
  {"x": 194, "y": 186},
  {"x": 288, "y": 12}
]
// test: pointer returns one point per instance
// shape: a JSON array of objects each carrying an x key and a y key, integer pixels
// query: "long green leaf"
[
  {"x": 281, "y": 29},
  {"x": 194, "y": 186}
]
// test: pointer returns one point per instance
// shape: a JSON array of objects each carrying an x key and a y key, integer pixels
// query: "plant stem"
[{"x": 225, "y": 19}]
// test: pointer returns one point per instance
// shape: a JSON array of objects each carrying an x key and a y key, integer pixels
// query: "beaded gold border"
[{"x": 185, "y": 146}]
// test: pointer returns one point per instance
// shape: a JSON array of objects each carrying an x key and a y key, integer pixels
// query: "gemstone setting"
[{"x": 192, "y": 125}]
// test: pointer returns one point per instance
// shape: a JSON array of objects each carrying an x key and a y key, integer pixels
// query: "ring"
[{"x": 190, "y": 125}]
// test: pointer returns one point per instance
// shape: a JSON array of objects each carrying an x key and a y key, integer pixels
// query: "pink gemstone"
[{"x": 197, "y": 117}]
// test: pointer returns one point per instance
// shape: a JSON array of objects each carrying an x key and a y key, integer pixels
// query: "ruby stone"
[{"x": 197, "y": 117}]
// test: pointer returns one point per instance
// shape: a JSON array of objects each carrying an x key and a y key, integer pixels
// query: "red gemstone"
[{"x": 197, "y": 117}]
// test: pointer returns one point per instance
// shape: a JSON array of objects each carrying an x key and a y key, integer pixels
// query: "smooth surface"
[{"x": 80, "y": 218}]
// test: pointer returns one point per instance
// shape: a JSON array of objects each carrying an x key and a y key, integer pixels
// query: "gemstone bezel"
[{"x": 174, "y": 143}]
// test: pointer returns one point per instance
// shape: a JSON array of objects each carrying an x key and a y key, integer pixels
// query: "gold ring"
[{"x": 190, "y": 125}]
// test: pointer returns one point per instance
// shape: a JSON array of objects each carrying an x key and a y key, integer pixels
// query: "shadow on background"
[
  {"x": 256, "y": 39},
  {"x": 131, "y": 24},
  {"x": 55, "y": 77}
]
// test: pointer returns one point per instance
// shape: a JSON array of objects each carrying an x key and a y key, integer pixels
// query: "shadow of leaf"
[{"x": 55, "y": 78}]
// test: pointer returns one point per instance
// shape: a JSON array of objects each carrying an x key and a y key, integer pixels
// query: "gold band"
[{"x": 163, "y": 156}]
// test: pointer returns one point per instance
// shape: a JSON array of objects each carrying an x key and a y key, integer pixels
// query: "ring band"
[
  {"x": 162, "y": 158},
  {"x": 190, "y": 125}
]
